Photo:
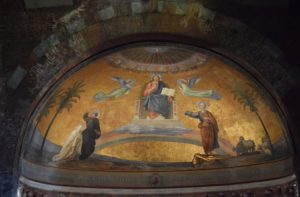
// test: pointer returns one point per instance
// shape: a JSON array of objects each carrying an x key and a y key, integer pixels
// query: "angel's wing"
[
  {"x": 120, "y": 80},
  {"x": 181, "y": 81},
  {"x": 131, "y": 83},
  {"x": 193, "y": 81}
]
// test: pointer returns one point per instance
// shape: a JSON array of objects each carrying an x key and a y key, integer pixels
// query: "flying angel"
[
  {"x": 125, "y": 87},
  {"x": 186, "y": 89}
]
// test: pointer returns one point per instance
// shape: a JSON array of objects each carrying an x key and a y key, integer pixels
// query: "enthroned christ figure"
[{"x": 156, "y": 104}]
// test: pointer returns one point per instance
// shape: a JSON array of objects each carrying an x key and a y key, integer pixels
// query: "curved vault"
[{"x": 152, "y": 141}]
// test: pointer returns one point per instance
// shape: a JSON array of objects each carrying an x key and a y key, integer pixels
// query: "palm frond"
[
  {"x": 245, "y": 96},
  {"x": 71, "y": 95},
  {"x": 248, "y": 98},
  {"x": 66, "y": 100},
  {"x": 49, "y": 104}
]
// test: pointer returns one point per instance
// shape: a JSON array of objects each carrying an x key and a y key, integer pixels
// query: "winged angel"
[
  {"x": 125, "y": 87},
  {"x": 186, "y": 89}
]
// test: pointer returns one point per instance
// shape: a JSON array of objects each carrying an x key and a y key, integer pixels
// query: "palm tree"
[
  {"x": 248, "y": 98},
  {"x": 66, "y": 101},
  {"x": 45, "y": 111}
]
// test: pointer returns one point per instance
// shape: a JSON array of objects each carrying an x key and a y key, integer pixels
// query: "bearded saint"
[
  {"x": 155, "y": 103},
  {"x": 208, "y": 127}
]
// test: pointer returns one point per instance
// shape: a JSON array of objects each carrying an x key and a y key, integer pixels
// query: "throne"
[{"x": 141, "y": 113}]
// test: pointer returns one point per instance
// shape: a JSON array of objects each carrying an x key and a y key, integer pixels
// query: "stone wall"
[{"x": 38, "y": 45}]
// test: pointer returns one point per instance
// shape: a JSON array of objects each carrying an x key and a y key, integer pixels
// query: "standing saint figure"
[
  {"x": 90, "y": 134},
  {"x": 155, "y": 103},
  {"x": 208, "y": 127}
]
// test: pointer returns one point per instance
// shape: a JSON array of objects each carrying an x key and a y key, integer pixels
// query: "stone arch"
[
  {"x": 99, "y": 25},
  {"x": 94, "y": 24}
]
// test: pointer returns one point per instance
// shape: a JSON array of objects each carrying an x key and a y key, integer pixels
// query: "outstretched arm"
[{"x": 192, "y": 114}]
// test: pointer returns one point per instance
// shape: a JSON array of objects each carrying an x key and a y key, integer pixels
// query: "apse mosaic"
[{"x": 159, "y": 106}]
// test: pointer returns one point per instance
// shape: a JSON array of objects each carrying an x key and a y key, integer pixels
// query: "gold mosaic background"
[{"x": 233, "y": 119}]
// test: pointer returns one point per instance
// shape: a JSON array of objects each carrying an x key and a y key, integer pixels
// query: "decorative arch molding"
[
  {"x": 100, "y": 52},
  {"x": 139, "y": 39},
  {"x": 98, "y": 26}
]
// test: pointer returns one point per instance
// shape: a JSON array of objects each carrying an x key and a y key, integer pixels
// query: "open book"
[{"x": 168, "y": 91}]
